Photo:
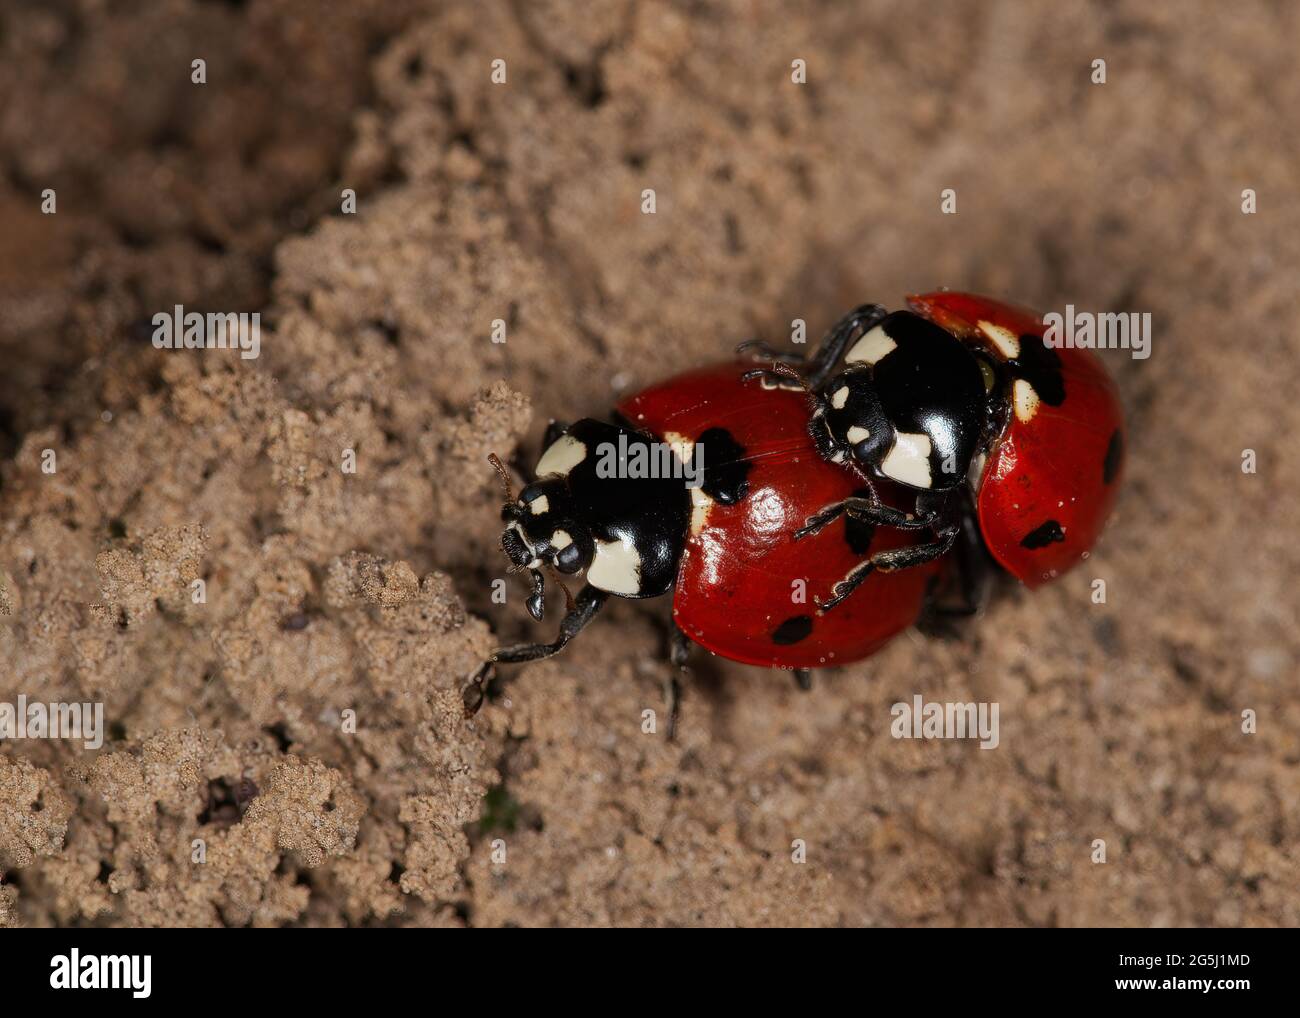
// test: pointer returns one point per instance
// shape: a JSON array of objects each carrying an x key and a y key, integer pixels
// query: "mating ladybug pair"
[{"x": 842, "y": 497}]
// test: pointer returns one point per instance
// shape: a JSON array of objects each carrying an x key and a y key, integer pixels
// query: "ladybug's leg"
[
  {"x": 836, "y": 344},
  {"x": 974, "y": 576},
  {"x": 779, "y": 376},
  {"x": 891, "y": 561},
  {"x": 762, "y": 351},
  {"x": 869, "y": 511},
  {"x": 832, "y": 348},
  {"x": 585, "y": 606},
  {"x": 803, "y": 678},
  {"x": 679, "y": 652}
]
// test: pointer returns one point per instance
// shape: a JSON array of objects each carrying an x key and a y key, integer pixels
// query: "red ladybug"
[{"x": 802, "y": 514}]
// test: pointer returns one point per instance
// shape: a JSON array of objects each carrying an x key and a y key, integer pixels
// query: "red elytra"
[
  {"x": 737, "y": 580},
  {"x": 1062, "y": 466}
]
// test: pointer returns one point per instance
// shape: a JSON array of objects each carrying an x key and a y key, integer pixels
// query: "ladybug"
[
  {"x": 962, "y": 394},
  {"x": 835, "y": 495}
]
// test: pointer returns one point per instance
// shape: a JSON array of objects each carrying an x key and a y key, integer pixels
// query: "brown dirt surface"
[{"x": 285, "y": 739}]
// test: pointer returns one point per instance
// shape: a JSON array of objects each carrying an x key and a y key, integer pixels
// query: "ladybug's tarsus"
[
  {"x": 803, "y": 678},
  {"x": 588, "y": 602},
  {"x": 679, "y": 653},
  {"x": 475, "y": 692},
  {"x": 760, "y": 350},
  {"x": 586, "y": 605}
]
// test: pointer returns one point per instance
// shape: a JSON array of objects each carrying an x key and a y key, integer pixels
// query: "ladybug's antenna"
[{"x": 499, "y": 467}]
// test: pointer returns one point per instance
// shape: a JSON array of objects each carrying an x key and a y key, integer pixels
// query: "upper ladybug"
[{"x": 962, "y": 391}]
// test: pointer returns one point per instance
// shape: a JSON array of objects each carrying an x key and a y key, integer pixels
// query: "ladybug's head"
[
  {"x": 544, "y": 528},
  {"x": 850, "y": 411}
]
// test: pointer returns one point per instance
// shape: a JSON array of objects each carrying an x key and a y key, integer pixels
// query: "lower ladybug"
[{"x": 804, "y": 513}]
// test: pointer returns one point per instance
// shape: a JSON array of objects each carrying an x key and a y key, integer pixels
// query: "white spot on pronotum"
[
  {"x": 871, "y": 348},
  {"x": 909, "y": 460},
  {"x": 1006, "y": 341},
  {"x": 541, "y": 504},
  {"x": 1025, "y": 399},
  {"x": 857, "y": 434},
  {"x": 701, "y": 506},
  {"x": 563, "y": 455},
  {"x": 616, "y": 567},
  {"x": 839, "y": 397},
  {"x": 561, "y": 539},
  {"x": 1099, "y": 71},
  {"x": 683, "y": 448}
]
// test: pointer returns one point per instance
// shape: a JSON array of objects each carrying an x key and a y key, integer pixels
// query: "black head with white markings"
[
  {"x": 911, "y": 403},
  {"x": 544, "y": 529},
  {"x": 597, "y": 508}
]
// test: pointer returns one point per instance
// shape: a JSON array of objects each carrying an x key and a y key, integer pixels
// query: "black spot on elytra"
[
  {"x": 792, "y": 630},
  {"x": 1041, "y": 536},
  {"x": 726, "y": 470},
  {"x": 859, "y": 533},
  {"x": 1040, "y": 366},
  {"x": 1114, "y": 457}
]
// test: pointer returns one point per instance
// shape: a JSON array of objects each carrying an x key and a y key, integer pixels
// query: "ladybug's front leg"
[
  {"x": 585, "y": 606},
  {"x": 829, "y": 353}
]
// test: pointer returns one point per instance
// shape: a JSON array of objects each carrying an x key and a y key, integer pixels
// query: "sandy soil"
[{"x": 370, "y": 592}]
